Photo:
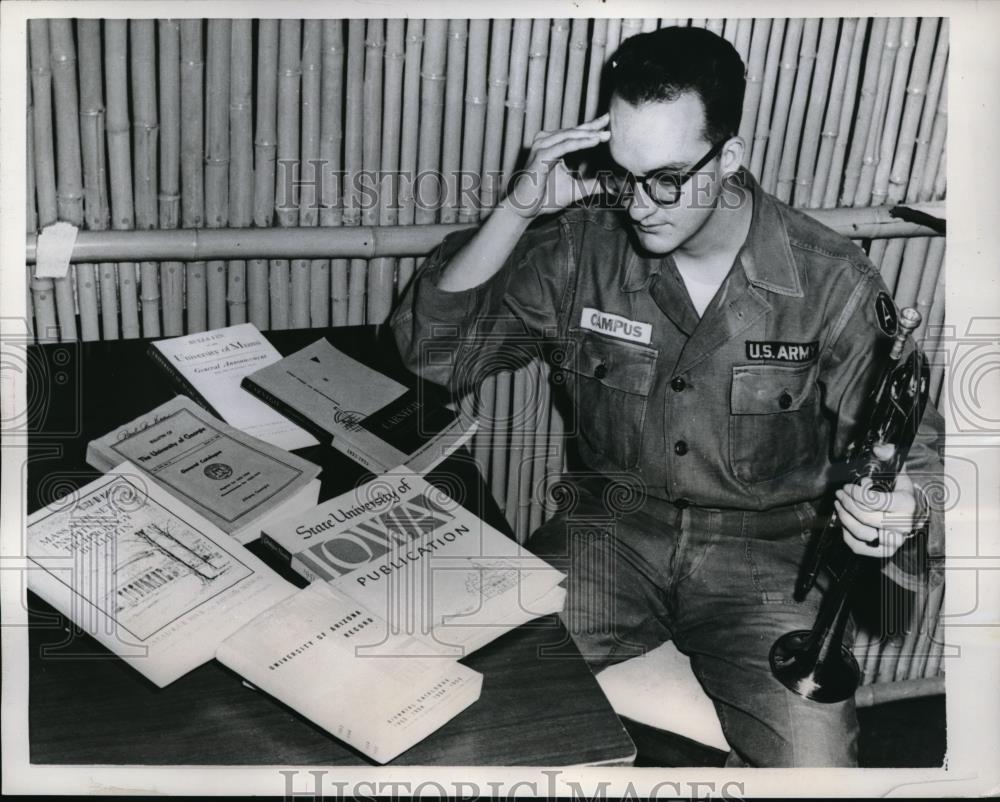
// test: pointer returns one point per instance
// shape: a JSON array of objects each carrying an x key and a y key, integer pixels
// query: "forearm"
[{"x": 482, "y": 256}]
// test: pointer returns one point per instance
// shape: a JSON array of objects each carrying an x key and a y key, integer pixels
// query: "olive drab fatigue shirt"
[{"x": 749, "y": 407}]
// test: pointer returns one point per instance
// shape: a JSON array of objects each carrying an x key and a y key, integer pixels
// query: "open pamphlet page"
[
  {"x": 149, "y": 578},
  {"x": 411, "y": 554},
  {"x": 236, "y": 481},
  {"x": 209, "y": 366},
  {"x": 341, "y": 666}
]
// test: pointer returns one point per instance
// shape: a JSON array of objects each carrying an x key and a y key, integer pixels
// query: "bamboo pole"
[
  {"x": 240, "y": 159},
  {"x": 265, "y": 154},
  {"x": 540, "y": 448},
  {"x": 889, "y": 658},
  {"x": 535, "y": 97},
  {"x": 475, "y": 121},
  {"x": 192, "y": 71},
  {"x": 192, "y": 132},
  {"x": 932, "y": 336},
  {"x": 108, "y": 276},
  {"x": 782, "y": 105},
  {"x": 835, "y": 111},
  {"x": 862, "y": 642},
  {"x": 630, "y": 27},
  {"x": 516, "y": 96},
  {"x": 820, "y": 87},
  {"x": 370, "y": 242},
  {"x": 936, "y": 151},
  {"x": 917, "y": 623},
  {"x": 266, "y": 138},
  {"x": 931, "y": 283},
  {"x": 452, "y": 143},
  {"x": 744, "y": 35},
  {"x": 41, "y": 317},
  {"x": 515, "y": 452},
  {"x": 555, "y": 74},
  {"x": 217, "y": 159},
  {"x": 291, "y": 280},
  {"x": 754, "y": 81},
  {"x": 95, "y": 206},
  {"x": 331, "y": 139},
  {"x": 69, "y": 194},
  {"x": 241, "y": 124},
  {"x": 936, "y": 84},
  {"x": 482, "y": 443},
  {"x": 598, "y": 47},
  {"x": 574, "y": 74},
  {"x": 432, "y": 77},
  {"x": 793, "y": 130},
  {"x": 311, "y": 172},
  {"x": 866, "y": 109},
  {"x": 762, "y": 129},
  {"x": 922, "y": 649},
  {"x": 119, "y": 162},
  {"x": 716, "y": 26},
  {"x": 894, "y": 114},
  {"x": 866, "y": 181},
  {"x": 554, "y": 460},
  {"x": 496, "y": 96},
  {"x": 381, "y": 271},
  {"x": 144, "y": 154},
  {"x": 835, "y": 173},
  {"x": 899, "y": 168},
  {"x": 43, "y": 290},
  {"x": 353, "y": 160},
  {"x": 289, "y": 72},
  {"x": 408, "y": 144},
  {"x": 500, "y": 427},
  {"x": 612, "y": 37},
  {"x": 171, "y": 273}
]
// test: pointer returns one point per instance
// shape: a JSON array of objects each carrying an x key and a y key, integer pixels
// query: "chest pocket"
[
  {"x": 610, "y": 381},
  {"x": 775, "y": 423}
]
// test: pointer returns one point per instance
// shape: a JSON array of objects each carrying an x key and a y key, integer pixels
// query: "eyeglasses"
[{"x": 664, "y": 187}]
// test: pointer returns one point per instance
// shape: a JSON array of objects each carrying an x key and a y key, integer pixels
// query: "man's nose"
[{"x": 640, "y": 205}]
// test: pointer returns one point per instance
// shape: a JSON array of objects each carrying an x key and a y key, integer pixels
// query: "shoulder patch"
[{"x": 885, "y": 314}]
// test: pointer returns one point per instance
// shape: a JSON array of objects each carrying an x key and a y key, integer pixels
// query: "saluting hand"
[{"x": 545, "y": 184}]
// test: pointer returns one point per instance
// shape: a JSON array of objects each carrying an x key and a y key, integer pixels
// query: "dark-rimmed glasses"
[{"x": 664, "y": 187}]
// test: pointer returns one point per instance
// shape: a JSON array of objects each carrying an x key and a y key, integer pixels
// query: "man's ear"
[{"x": 731, "y": 156}]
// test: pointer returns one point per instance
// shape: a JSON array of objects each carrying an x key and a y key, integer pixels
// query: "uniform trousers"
[{"x": 720, "y": 584}]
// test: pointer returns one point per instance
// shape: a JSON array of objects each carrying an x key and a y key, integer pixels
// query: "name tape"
[{"x": 616, "y": 325}]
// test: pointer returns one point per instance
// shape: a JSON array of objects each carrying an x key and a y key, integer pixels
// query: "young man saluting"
[{"x": 717, "y": 347}]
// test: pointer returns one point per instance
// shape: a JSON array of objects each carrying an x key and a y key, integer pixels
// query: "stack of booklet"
[{"x": 405, "y": 581}]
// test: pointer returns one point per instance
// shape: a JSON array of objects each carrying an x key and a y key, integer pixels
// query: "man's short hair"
[{"x": 666, "y": 63}]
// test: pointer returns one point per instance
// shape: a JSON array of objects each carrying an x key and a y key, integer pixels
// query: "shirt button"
[
  {"x": 600, "y": 371},
  {"x": 682, "y": 503},
  {"x": 680, "y": 448},
  {"x": 678, "y": 384},
  {"x": 785, "y": 400}
]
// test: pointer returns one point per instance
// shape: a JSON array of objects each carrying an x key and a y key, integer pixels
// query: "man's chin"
[{"x": 659, "y": 240}]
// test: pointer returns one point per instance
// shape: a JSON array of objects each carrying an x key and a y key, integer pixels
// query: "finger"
[
  {"x": 858, "y": 502},
  {"x": 861, "y": 530},
  {"x": 553, "y": 153},
  {"x": 597, "y": 122},
  {"x": 540, "y": 146}
]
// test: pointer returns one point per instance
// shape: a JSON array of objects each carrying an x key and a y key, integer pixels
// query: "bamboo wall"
[{"x": 200, "y": 124}]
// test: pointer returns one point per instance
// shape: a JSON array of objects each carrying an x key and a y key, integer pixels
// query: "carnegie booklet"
[
  {"x": 235, "y": 480},
  {"x": 413, "y": 555},
  {"x": 373, "y": 419},
  {"x": 166, "y": 590}
]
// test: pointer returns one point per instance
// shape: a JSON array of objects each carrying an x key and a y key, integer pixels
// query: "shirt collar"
[{"x": 766, "y": 256}]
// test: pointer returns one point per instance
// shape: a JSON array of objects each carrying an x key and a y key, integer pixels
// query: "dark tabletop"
[{"x": 540, "y": 705}]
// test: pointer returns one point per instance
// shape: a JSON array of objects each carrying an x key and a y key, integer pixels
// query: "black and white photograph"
[{"x": 401, "y": 402}]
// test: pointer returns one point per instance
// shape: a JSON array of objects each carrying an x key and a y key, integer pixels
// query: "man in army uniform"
[{"x": 717, "y": 347}]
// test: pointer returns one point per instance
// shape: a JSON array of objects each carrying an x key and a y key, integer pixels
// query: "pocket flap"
[
  {"x": 620, "y": 366},
  {"x": 767, "y": 389}
]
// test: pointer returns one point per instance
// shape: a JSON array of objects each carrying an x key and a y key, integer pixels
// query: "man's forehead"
[{"x": 664, "y": 133}]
